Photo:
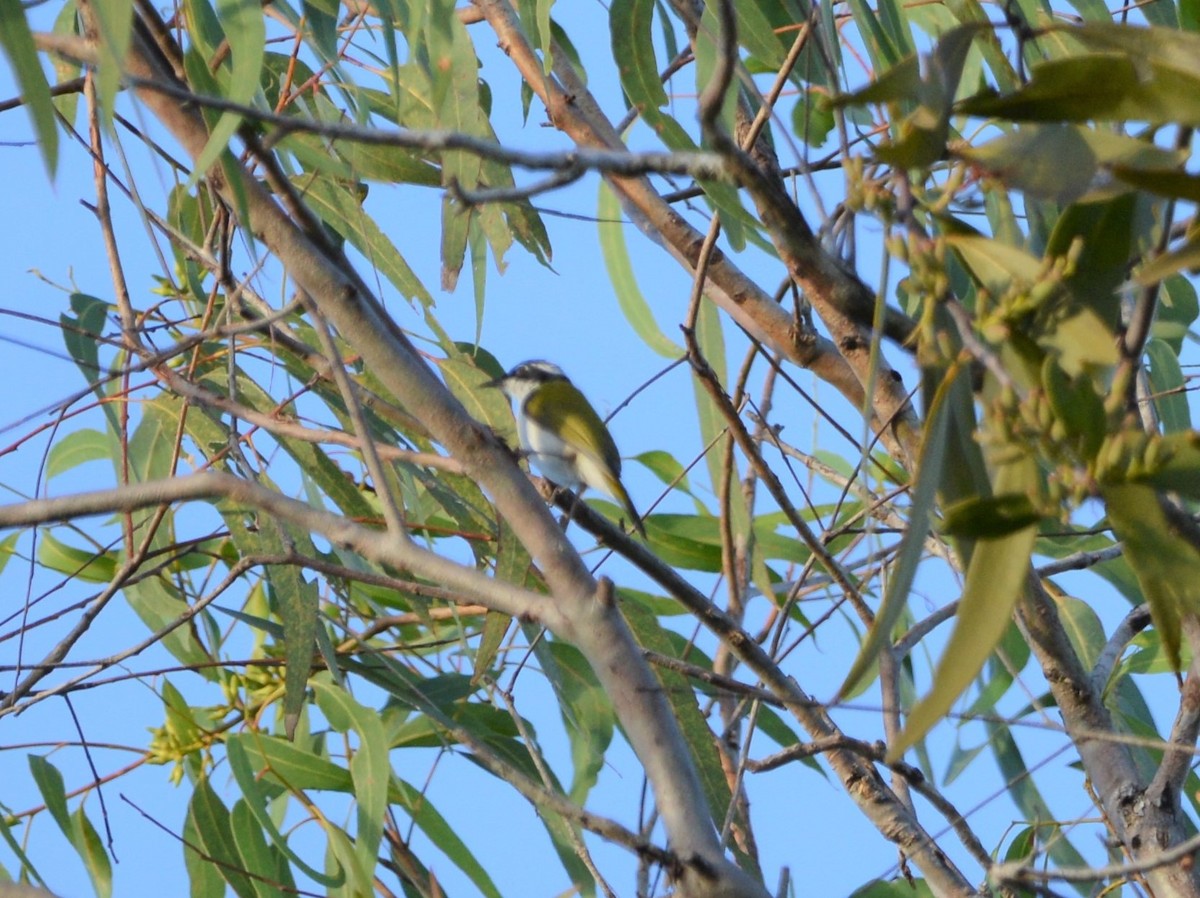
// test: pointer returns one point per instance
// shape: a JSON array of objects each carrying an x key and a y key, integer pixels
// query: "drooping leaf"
[
  {"x": 77, "y": 448},
  {"x": 342, "y": 210},
  {"x": 370, "y": 768},
  {"x": 16, "y": 39},
  {"x": 620, "y": 271},
  {"x": 912, "y": 544},
  {"x": 271, "y": 876},
  {"x": 257, "y": 798},
  {"x": 1170, "y": 389},
  {"x": 996, "y": 575},
  {"x": 210, "y": 819},
  {"x": 1167, "y": 565}
]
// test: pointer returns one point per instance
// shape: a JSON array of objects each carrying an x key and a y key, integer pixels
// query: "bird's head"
[{"x": 527, "y": 377}]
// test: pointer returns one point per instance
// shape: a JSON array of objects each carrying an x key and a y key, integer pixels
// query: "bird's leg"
[
  {"x": 565, "y": 521},
  {"x": 576, "y": 501}
]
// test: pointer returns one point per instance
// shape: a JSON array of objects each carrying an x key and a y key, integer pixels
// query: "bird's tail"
[{"x": 621, "y": 495}]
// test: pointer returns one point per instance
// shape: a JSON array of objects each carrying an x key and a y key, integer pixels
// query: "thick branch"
[
  {"x": 373, "y": 544},
  {"x": 1146, "y": 823}
]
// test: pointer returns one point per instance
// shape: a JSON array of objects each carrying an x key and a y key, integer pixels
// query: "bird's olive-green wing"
[{"x": 561, "y": 408}]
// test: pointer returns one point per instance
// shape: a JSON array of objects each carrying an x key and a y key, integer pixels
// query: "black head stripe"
[{"x": 537, "y": 370}]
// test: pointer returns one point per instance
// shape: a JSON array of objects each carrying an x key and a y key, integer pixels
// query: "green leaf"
[
  {"x": 1100, "y": 239},
  {"x": 243, "y": 26},
  {"x": 342, "y": 210},
  {"x": 1185, "y": 256},
  {"x": 17, "y": 42},
  {"x": 456, "y": 232},
  {"x": 491, "y": 637},
  {"x": 298, "y": 603},
  {"x": 215, "y": 838},
  {"x": 535, "y": 19},
  {"x": 1081, "y": 341},
  {"x": 114, "y": 19},
  {"x": 587, "y": 714},
  {"x": 257, "y": 799},
  {"x": 77, "y": 448},
  {"x": 1054, "y": 162},
  {"x": 997, "y": 266},
  {"x": 883, "y": 52},
  {"x": 272, "y": 878},
  {"x": 633, "y": 51},
  {"x": 921, "y": 135},
  {"x": 667, "y": 469},
  {"x": 389, "y": 165},
  {"x": 707, "y": 49},
  {"x": 812, "y": 118},
  {"x": 370, "y": 768},
  {"x": 896, "y": 83},
  {"x": 87, "y": 565},
  {"x": 82, "y": 335},
  {"x": 912, "y": 545},
  {"x": 713, "y": 430},
  {"x": 49, "y": 782},
  {"x": 638, "y": 313},
  {"x": 990, "y": 517},
  {"x": 26, "y": 865},
  {"x": 282, "y": 761},
  {"x": 1140, "y": 74},
  {"x": 1082, "y": 626},
  {"x": 456, "y": 101},
  {"x": 1077, "y": 407},
  {"x": 1167, "y": 565},
  {"x": 66, "y": 23},
  {"x": 91, "y": 849},
  {"x": 158, "y": 602},
  {"x": 203, "y": 875},
  {"x": 76, "y": 827},
  {"x": 768, "y": 30},
  {"x": 995, "y": 578},
  {"x": 1178, "y": 309},
  {"x": 1170, "y": 388}
]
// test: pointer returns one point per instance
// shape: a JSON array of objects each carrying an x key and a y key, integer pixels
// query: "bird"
[{"x": 561, "y": 433}]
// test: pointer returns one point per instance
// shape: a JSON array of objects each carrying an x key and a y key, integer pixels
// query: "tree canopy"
[{"x": 927, "y": 473}]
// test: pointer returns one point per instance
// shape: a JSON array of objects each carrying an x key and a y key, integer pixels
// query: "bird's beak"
[{"x": 498, "y": 382}]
